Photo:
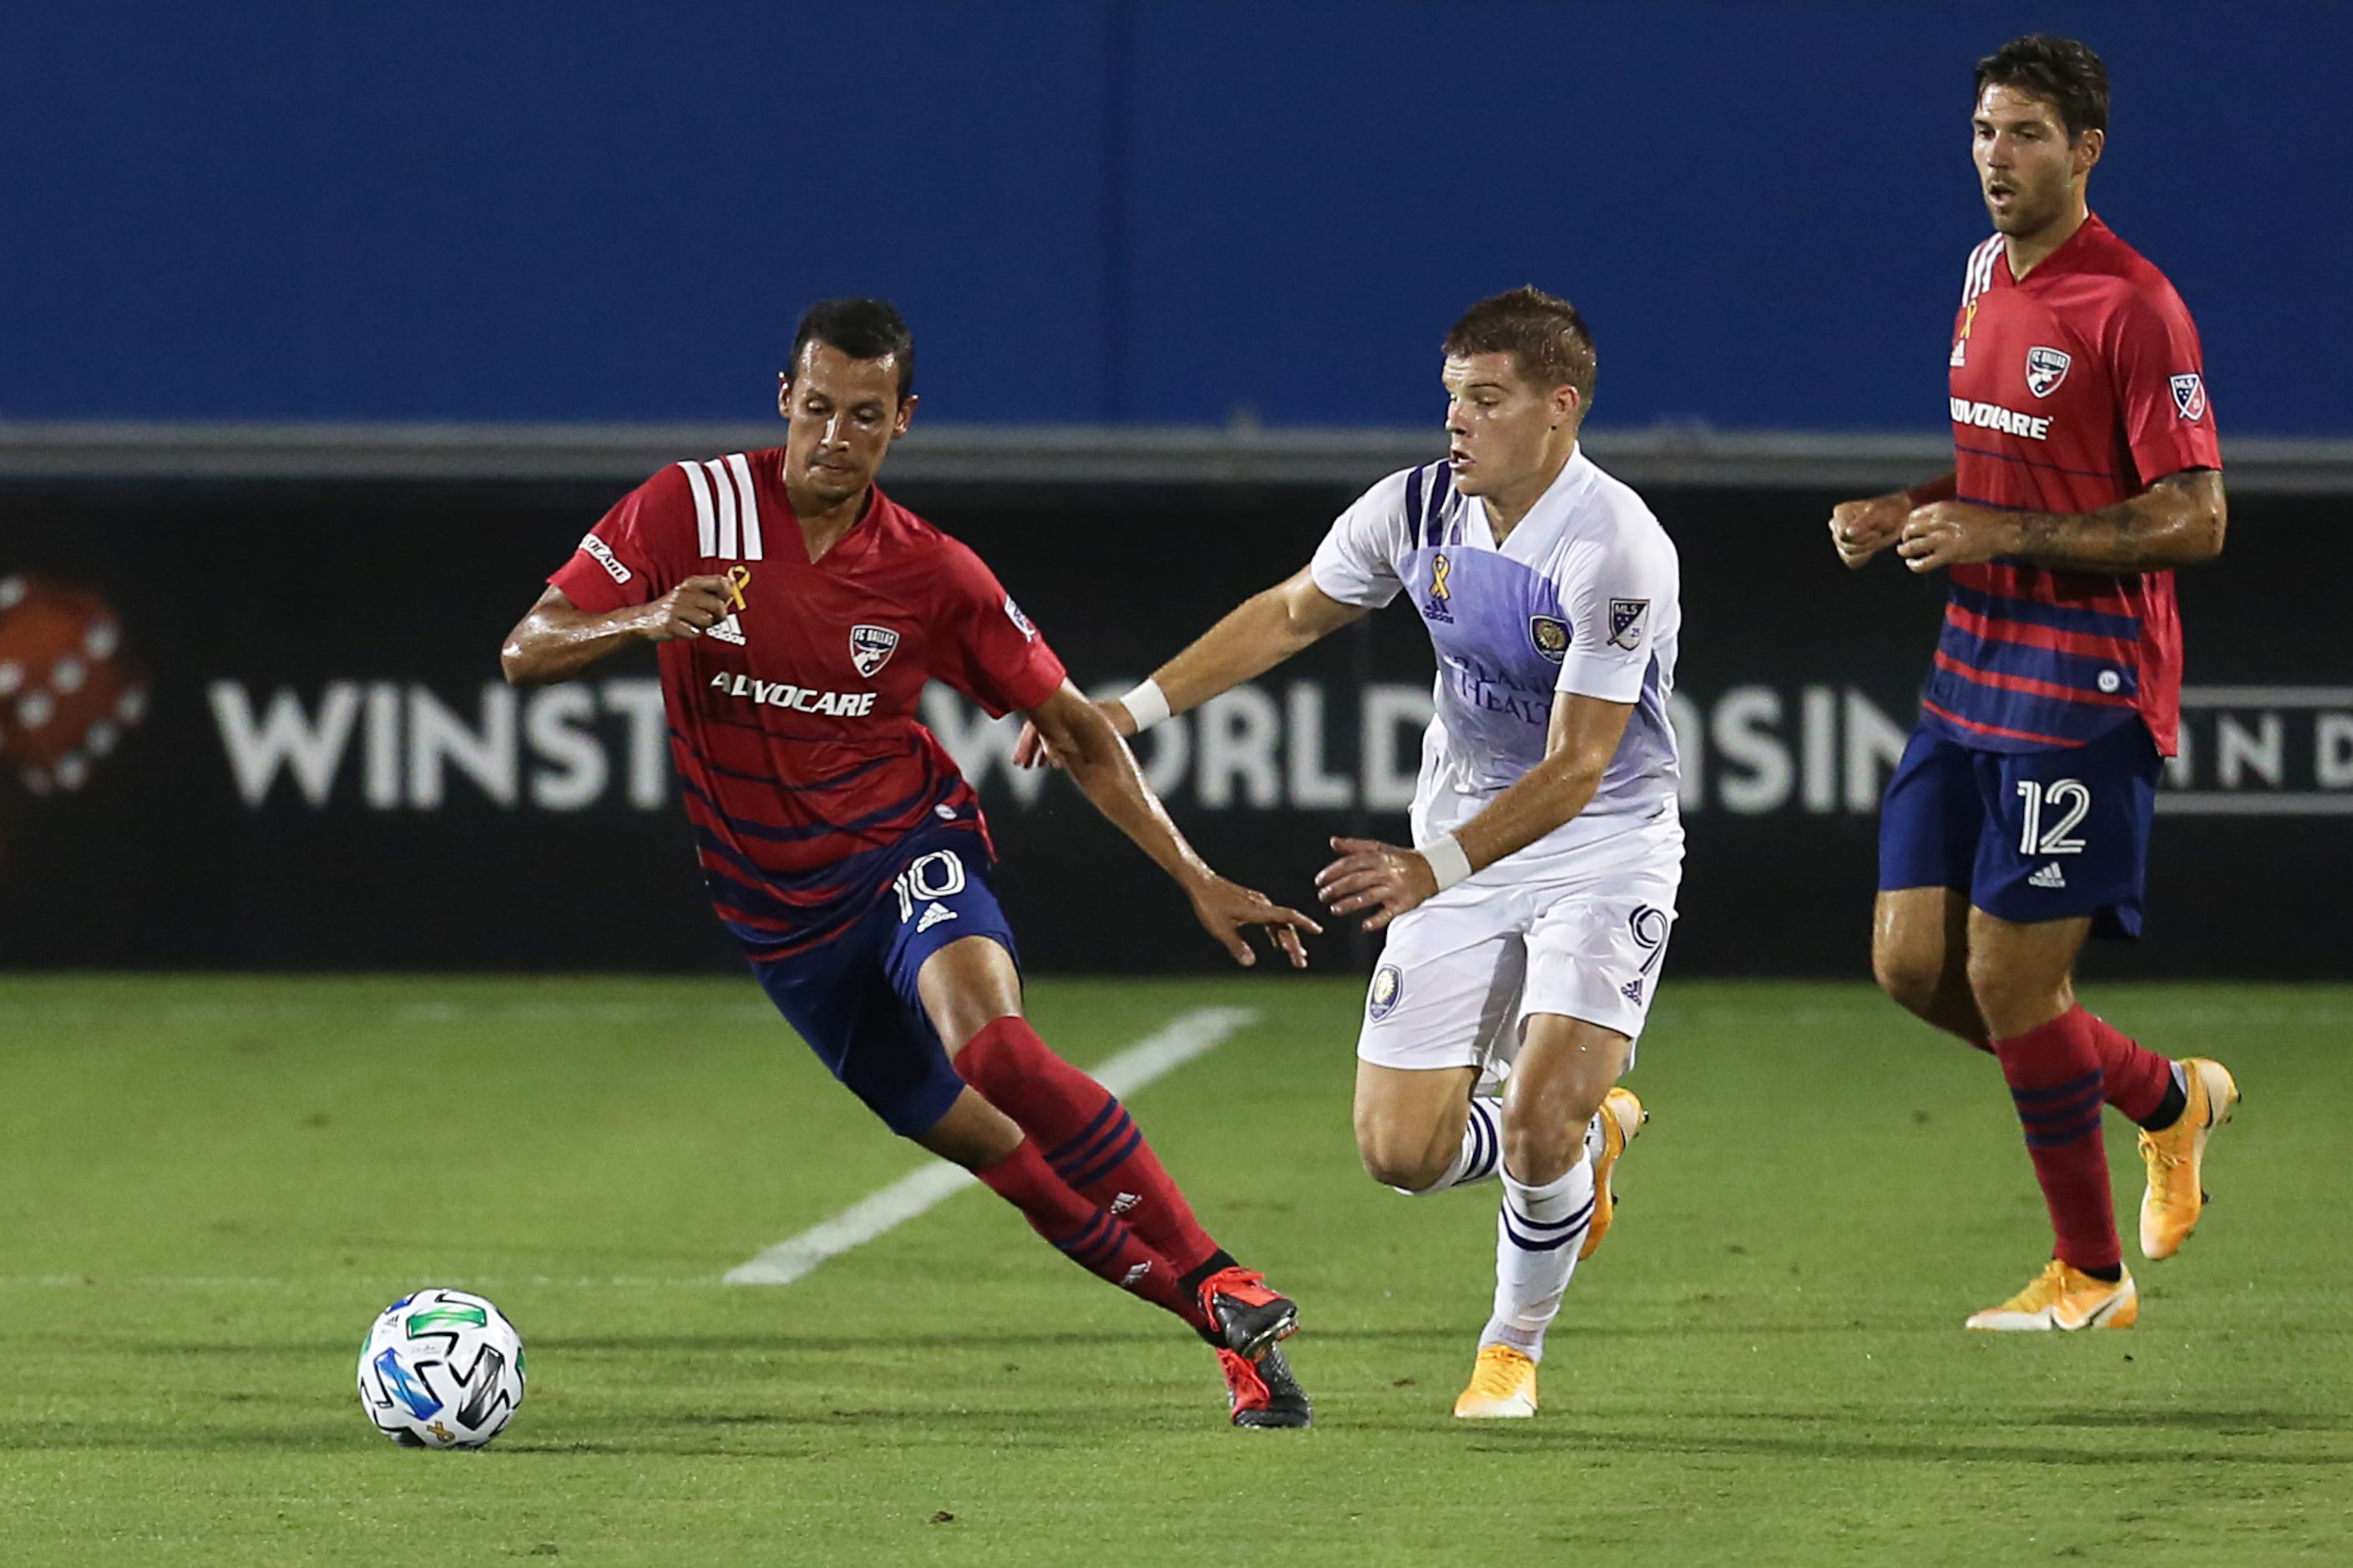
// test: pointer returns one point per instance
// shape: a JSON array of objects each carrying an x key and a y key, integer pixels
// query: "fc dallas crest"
[
  {"x": 2046, "y": 369},
  {"x": 871, "y": 648}
]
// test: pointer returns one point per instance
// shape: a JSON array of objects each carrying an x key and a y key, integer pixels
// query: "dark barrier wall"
[
  {"x": 1129, "y": 210},
  {"x": 262, "y": 725}
]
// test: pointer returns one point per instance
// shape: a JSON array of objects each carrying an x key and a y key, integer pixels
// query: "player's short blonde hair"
[{"x": 1544, "y": 333}]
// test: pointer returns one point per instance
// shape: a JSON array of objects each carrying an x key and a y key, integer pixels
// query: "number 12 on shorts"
[{"x": 2070, "y": 799}]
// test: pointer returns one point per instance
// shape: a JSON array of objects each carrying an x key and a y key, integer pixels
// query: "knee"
[
  {"x": 1909, "y": 972},
  {"x": 2012, "y": 1001},
  {"x": 1539, "y": 1150},
  {"x": 1392, "y": 1162},
  {"x": 1912, "y": 979}
]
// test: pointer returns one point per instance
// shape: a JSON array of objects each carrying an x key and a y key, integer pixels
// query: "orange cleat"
[
  {"x": 2176, "y": 1198},
  {"x": 1622, "y": 1117},
  {"x": 2064, "y": 1299}
]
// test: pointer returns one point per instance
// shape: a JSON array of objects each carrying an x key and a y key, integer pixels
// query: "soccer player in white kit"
[{"x": 1527, "y": 926}]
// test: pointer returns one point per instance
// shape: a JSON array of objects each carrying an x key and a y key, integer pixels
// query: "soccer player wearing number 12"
[
  {"x": 2085, "y": 467},
  {"x": 799, "y": 613}
]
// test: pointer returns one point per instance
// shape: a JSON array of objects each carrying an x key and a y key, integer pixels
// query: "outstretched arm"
[
  {"x": 2178, "y": 521},
  {"x": 1100, "y": 763},
  {"x": 558, "y": 640},
  {"x": 1370, "y": 875},
  {"x": 1258, "y": 633}
]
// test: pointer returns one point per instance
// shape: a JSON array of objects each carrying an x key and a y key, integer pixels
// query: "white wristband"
[
  {"x": 1147, "y": 705},
  {"x": 1446, "y": 861}
]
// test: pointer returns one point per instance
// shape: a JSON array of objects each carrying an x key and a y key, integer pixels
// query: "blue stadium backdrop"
[{"x": 1103, "y": 211}]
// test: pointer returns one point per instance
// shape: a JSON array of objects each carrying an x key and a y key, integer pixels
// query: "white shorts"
[{"x": 1462, "y": 972}]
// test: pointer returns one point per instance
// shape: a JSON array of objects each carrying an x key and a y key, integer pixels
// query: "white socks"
[
  {"x": 1481, "y": 1154},
  {"x": 1538, "y": 1232}
]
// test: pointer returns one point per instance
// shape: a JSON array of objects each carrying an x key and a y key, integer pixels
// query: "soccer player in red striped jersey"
[
  {"x": 799, "y": 612},
  {"x": 2085, "y": 468}
]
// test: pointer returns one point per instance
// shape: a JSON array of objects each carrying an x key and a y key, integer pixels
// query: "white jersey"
[{"x": 1583, "y": 598}]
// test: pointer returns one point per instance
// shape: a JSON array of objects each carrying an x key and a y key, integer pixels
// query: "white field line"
[{"x": 1191, "y": 1035}]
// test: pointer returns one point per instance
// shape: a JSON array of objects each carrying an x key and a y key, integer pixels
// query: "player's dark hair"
[
  {"x": 2061, "y": 73},
  {"x": 1542, "y": 334},
  {"x": 862, "y": 328}
]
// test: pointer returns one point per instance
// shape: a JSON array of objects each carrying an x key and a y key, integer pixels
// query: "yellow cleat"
[
  {"x": 1622, "y": 1118},
  {"x": 2177, "y": 1195},
  {"x": 1502, "y": 1386},
  {"x": 2065, "y": 1299}
]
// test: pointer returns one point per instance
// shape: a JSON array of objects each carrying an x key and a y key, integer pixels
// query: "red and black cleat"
[
  {"x": 1264, "y": 1392},
  {"x": 1248, "y": 1316}
]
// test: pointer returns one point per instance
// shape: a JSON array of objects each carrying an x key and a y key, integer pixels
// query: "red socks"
[
  {"x": 2136, "y": 1077},
  {"x": 2056, "y": 1077},
  {"x": 1087, "y": 1135},
  {"x": 1088, "y": 1236}
]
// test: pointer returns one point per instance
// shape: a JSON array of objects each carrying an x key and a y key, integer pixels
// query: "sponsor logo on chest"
[
  {"x": 797, "y": 699},
  {"x": 1994, "y": 416}
]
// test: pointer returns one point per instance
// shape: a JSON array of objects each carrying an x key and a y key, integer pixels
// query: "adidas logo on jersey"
[
  {"x": 2049, "y": 877},
  {"x": 729, "y": 630},
  {"x": 934, "y": 916}
]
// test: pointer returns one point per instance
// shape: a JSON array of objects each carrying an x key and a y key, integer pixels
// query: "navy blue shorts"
[
  {"x": 854, "y": 1000},
  {"x": 2029, "y": 836}
]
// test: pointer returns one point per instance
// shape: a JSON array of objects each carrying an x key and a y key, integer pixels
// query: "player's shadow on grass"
[
  {"x": 2233, "y": 1423},
  {"x": 546, "y": 1345},
  {"x": 314, "y": 1437}
]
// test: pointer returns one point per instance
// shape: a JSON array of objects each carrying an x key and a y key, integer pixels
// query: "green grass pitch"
[{"x": 208, "y": 1187}]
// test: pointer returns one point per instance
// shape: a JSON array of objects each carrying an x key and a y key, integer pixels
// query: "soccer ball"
[{"x": 441, "y": 1369}]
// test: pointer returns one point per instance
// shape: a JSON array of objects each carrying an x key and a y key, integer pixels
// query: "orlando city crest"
[
  {"x": 1628, "y": 618},
  {"x": 2046, "y": 369},
  {"x": 871, "y": 648},
  {"x": 1389, "y": 987},
  {"x": 1550, "y": 634}
]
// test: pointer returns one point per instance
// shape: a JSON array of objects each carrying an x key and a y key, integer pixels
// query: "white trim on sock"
[{"x": 1538, "y": 1231}]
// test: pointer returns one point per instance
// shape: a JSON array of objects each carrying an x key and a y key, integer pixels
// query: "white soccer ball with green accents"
[{"x": 441, "y": 1369}]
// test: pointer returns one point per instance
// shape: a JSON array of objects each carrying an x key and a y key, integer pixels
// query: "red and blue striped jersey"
[
  {"x": 2072, "y": 390},
  {"x": 792, "y": 722}
]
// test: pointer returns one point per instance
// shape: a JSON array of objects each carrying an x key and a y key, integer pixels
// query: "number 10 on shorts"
[{"x": 2070, "y": 800}]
